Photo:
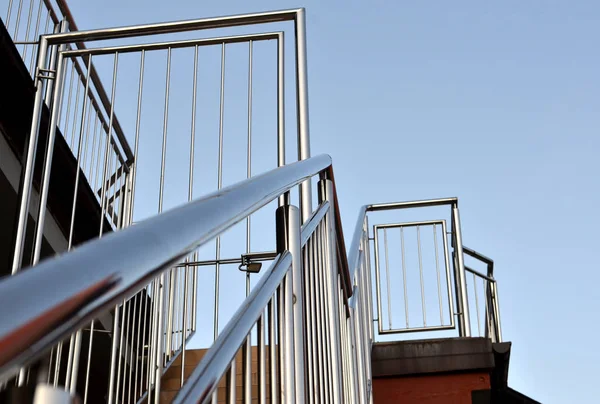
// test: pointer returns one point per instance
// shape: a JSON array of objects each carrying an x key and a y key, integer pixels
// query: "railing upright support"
[
  {"x": 288, "y": 239},
  {"x": 326, "y": 191},
  {"x": 464, "y": 324}
]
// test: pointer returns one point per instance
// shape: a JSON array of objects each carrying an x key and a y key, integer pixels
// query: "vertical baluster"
[
  {"x": 247, "y": 355},
  {"x": 29, "y": 14},
  {"x": 387, "y": 278},
  {"x": 122, "y": 341},
  {"x": 477, "y": 305},
  {"x": 282, "y": 365},
  {"x": 36, "y": 37},
  {"x": 318, "y": 324},
  {"x": 141, "y": 348},
  {"x": 309, "y": 322},
  {"x": 190, "y": 197},
  {"x": 230, "y": 384},
  {"x": 103, "y": 193},
  {"x": 89, "y": 364},
  {"x": 133, "y": 332},
  {"x": 262, "y": 360},
  {"x": 88, "y": 175},
  {"x": 79, "y": 147},
  {"x": 75, "y": 110},
  {"x": 273, "y": 368},
  {"x": 18, "y": 20},
  {"x": 8, "y": 14},
  {"x": 437, "y": 270},
  {"x": 421, "y": 276},
  {"x": 219, "y": 186}
]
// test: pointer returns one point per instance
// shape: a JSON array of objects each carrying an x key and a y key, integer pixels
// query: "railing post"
[
  {"x": 326, "y": 191},
  {"x": 302, "y": 110},
  {"x": 462, "y": 299},
  {"x": 288, "y": 239},
  {"x": 43, "y": 86}
]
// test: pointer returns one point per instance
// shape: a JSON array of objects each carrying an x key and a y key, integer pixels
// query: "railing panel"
[{"x": 413, "y": 277}]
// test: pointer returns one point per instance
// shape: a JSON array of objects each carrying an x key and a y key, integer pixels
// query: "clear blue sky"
[{"x": 497, "y": 104}]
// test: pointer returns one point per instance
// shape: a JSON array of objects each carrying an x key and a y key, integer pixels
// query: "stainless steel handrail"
[
  {"x": 118, "y": 264},
  {"x": 205, "y": 377}
]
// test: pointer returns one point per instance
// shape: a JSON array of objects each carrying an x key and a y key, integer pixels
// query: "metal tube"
[
  {"x": 273, "y": 371},
  {"x": 92, "y": 149},
  {"x": 247, "y": 371},
  {"x": 75, "y": 114},
  {"x": 44, "y": 186},
  {"x": 281, "y": 107},
  {"x": 121, "y": 352},
  {"x": 404, "y": 276},
  {"x": 219, "y": 185},
  {"x": 158, "y": 364},
  {"x": 437, "y": 270},
  {"x": 184, "y": 323},
  {"x": 387, "y": 278},
  {"x": 464, "y": 325},
  {"x": 282, "y": 365},
  {"x": 171, "y": 273},
  {"x": 108, "y": 137},
  {"x": 58, "y": 363},
  {"x": 325, "y": 316},
  {"x": 191, "y": 185},
  {"x": 319, "y": 325},
  {"x": 152, "y": 338},
  {"x": 290, "y": 388},
  {"x": 131, "y": 349},
  {"x": 326, "y": 187},
  {"x": 69, "y": 362},
  {"x": 377, "y": 280},
  {"x": 140, "y": 352},
  {"x": 113, "y": 357},
  {"x": 231, "y": 384},
  {"x": 367, "y": 261},
  {"x": 29, "y": 14},
  {"x": 448, "y": 277},
  {"x": 35, "y": 35},
  {"x": 497, "y": 311},
  {"x": 262, "y": 360},
  {"x": 477, "y": 306},
  {"x": 249, "y": 150},
  {"x": 411, "y": 204},
  {"x": 156, "y": 46},
  {"x": 179, "y": 26},
  {"x": 89, "y": 364},
  {"x": 66, "y": 116},
  {"x": 75, "y": 368},
  {"x": 26, "y": 180},
  {"x": 302, "y": 111},
  {"x": 310, "y": 347},
  {"x": 18, "y": 18},
  {"x": 315, "y": 319},
  {"x": 288, "y": 239},
  {"x": 81, "y": 140},
  {"x": 137, "y": 128},
  {"x": 421, "y": 277},
  {"x": 8, "y": 13}
]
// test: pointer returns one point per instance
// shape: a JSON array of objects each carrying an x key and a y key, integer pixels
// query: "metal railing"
[
  {"x": 310, "y": 316},
  {"x": 485, "y": 285},
  {"x": 148, "y": 249},
  {"x": 420, "y": 270},
  {"x": 68, "y": 84}
]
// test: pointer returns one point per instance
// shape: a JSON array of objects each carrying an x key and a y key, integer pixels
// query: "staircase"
[{"x": 117, "y": 290}]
